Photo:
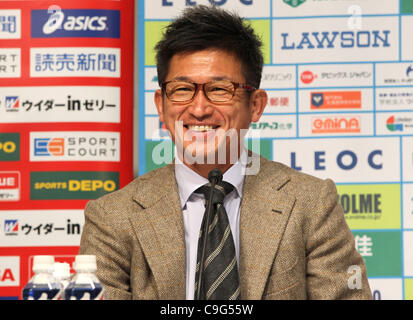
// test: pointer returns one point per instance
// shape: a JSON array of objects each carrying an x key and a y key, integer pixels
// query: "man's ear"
[
  {"x": 258, "y": 101},
  {"x": 159, "y": 104}
]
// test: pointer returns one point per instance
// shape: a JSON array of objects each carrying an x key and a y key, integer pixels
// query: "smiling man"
[{"x": 276, "y": 234}]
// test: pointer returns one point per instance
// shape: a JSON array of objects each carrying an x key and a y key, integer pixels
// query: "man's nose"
[{"x": 200, "y": 105}]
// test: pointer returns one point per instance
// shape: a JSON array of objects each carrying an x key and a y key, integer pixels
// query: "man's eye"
[{"x": 183, "y": 89}]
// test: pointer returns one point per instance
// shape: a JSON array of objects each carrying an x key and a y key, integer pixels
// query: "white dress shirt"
[{"x": 193, "y": 208}]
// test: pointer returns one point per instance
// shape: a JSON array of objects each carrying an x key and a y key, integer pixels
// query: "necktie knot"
[{"x": 219, "y": 192}]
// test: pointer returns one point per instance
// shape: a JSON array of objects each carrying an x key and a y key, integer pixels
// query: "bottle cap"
[
  {"x": 85, "y": 263},
  {"x": 43, "y": 263},
  {"x": 61, "y": 270}
]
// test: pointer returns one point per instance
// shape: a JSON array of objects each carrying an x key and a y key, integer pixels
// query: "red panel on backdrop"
[{"x": 66, "y": 123}]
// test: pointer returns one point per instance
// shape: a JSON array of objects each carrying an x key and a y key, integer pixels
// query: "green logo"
[
  {"x": 406, "y": 6},
  {"x": 72, "y": 184},
  {"x": 294, "y": 3},
  {"x": 381, "y": 251},
  {"x": 9, "y": 146}
]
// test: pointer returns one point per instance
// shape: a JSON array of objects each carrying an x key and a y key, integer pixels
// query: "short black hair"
[{"x": 205, "y": 27}]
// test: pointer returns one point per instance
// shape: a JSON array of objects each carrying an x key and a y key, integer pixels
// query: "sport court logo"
[
  {"x": 60, "y": 23},
  {"x": 49, "y": 147}
]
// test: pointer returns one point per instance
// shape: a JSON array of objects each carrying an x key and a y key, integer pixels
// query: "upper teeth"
[{"x": 200, "y": 128}]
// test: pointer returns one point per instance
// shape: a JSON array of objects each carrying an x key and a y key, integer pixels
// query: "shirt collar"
[{"x": 188, "y": 180}]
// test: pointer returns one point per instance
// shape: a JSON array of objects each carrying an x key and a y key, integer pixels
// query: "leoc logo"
[{"x": 59, "y": 23}]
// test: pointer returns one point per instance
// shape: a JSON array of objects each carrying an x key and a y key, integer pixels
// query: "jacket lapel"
[
  {"x": 265, "y": 210},
  {"x": 160, "y": 230}
]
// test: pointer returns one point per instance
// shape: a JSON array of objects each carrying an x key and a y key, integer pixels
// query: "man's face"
[{"x": 204, "y": 121}]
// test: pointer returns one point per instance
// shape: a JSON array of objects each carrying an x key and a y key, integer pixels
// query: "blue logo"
[
  {"x": 49, "y": 147},
  {"x": 317, "y": 99},
  {"x": 409, "y": 69},
  {"x": 12, "y": 103},
  {"x": 11, "y": 227},
  {"x": 75, "y": 23}
]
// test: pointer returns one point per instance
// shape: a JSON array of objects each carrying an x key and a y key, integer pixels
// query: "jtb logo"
[
  {"x": 59, "y": 23},
  {"x": 49, "y": 147}
]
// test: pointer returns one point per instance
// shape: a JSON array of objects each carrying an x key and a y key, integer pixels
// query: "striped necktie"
[{"x": 220, "y": 279}]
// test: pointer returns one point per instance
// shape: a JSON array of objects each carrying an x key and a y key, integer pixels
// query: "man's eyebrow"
[{"x": 184, "y": 78}]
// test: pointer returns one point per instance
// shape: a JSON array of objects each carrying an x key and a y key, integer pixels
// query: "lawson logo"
[{"x": 73, "y": 23}]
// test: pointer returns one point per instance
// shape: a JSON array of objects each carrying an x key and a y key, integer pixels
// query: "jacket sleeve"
[
  {"x": 335, "y": 270},
  {"x": 103, "y": 238}
]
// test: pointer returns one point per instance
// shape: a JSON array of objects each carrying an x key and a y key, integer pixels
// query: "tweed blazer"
[{"x": 294, "y": 240}]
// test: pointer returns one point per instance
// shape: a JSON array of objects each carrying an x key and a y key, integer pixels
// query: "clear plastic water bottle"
[
  {"x": 62, "y": 275},
  {"x": 43, "y": 285},
  {"x": 84, "y": 285}
]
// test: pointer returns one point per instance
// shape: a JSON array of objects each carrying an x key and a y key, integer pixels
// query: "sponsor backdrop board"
[
  {"x": 66, "y": 112},
  {"x": 339, "y": 75}
]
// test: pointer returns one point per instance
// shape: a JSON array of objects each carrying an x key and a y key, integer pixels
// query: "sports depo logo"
[
  {"x": 336, "y": 100},
  {"x": 49, "y": 147},
  {"x": 72, "y": 184},
  {"x": 58, "y": 23},
  {"x": 9, "y": 146}
]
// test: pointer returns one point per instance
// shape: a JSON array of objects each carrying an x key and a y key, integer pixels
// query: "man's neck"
[{"x": 203, "y": 169}]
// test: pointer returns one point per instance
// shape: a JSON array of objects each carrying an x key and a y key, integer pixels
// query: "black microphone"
[{"x": 214, "y": 177}]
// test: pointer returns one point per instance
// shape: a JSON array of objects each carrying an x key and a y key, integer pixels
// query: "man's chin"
[{"x": 207, "y": 155}]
